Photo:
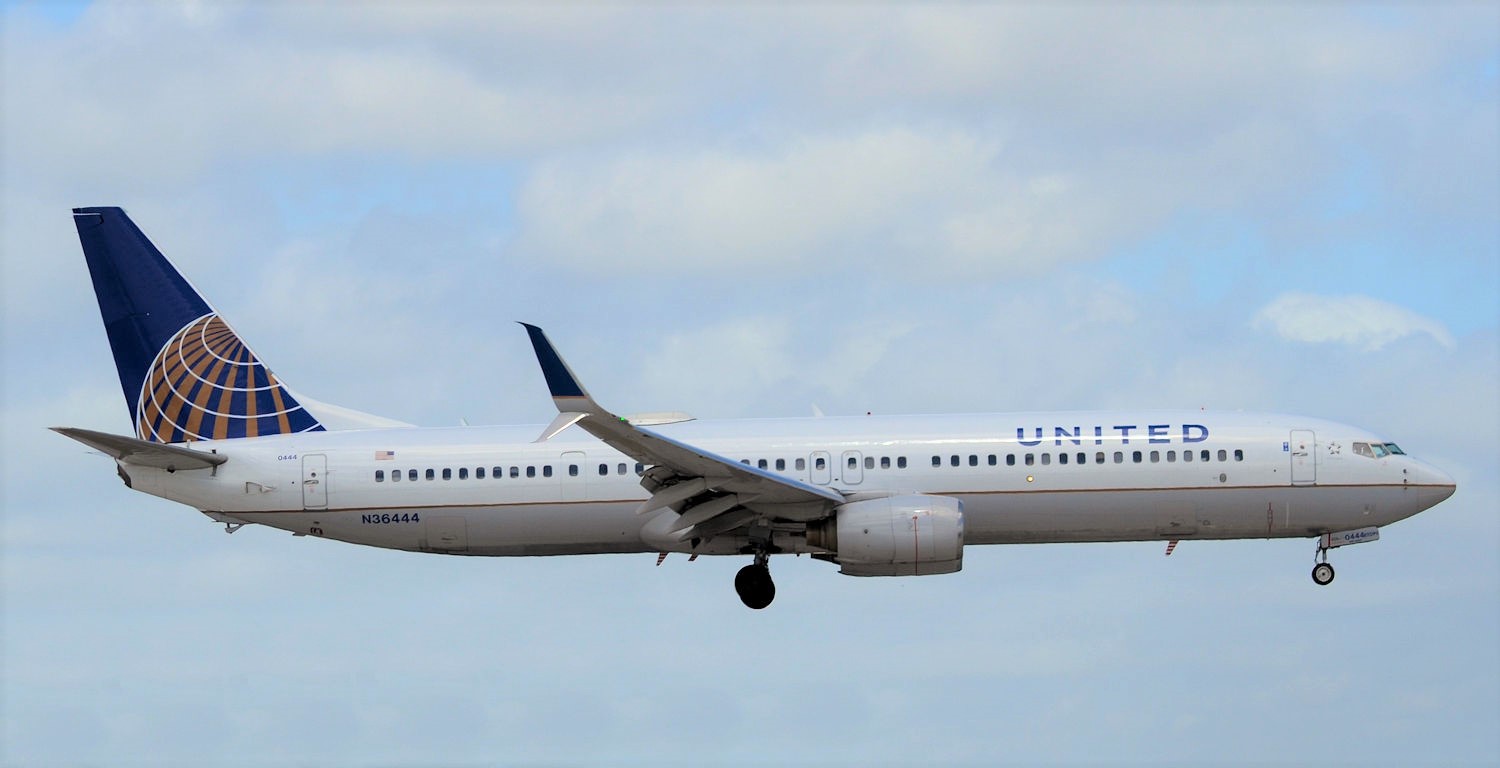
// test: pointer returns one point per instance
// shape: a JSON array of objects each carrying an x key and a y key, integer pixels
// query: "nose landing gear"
[{"x": 754, "y": 584}]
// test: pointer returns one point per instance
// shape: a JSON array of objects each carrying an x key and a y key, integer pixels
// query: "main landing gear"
[{"x": 754, "y": 584}]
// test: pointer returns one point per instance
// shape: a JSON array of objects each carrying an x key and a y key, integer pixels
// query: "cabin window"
[
  {"x": 640, "y": 469},
  {"x": 1062, "y": 458},
  {"x": 937, "y": 461},
  {"x": 900, "y": 462},
  {"x": 379, "y": 475},
  {"x": 603, "y": 470},
  {"x": 531, "y": 471},
  {"x": 1171, "y": 457},
  {"x": 411, "y": 474},
  {"x": 463, "y": 473},
  {"x": 547, "y": 470},
  {"x": 781, "y": 465},
  {"x": 853, "y": 463},
  {"x": 1203, "y": 455},
  {"x": 572, "y": 470},
  {"x": 620, "y": 468},
  {"x": 431, "y": 475},
  {"x": 1119, "y": 457},
  {"x": 1030, "y": 459},
  {"x": 953, "y": 460},
  {"x": 1223, "y": 455},
  {"x": 1099, "y": 457},
  {"x": 479, "y": 473},
  {"x": 1046, "y": 459},
  {"x": 1135, "y": 456},
  {"x": 1010, "y": 459},
  {"x": 885, "y": 462},
  {"x": 973, "y": 460},
  {"x": 395, "y": 475},
  {"x": 447, "y": 473},
  {"x": 1187, "y": 455},
  {"x": 801, "y": 464},
  {"x": 820, "y": 463},
  {"x": 515, "y": 472},
  {"x": 1155, "y": 457},
  {"x": 1239, "y": 455},
  {"x": 869, "y": 462},
  {"x": 763, "y": 464}
]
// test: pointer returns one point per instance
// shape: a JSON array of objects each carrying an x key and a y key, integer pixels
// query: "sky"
[{"x": 749, "y": 211}]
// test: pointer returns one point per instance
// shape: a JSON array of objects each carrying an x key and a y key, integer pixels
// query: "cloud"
[{"x": 1358, "y": 321}]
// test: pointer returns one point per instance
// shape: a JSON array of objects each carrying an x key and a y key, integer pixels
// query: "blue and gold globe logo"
[{"x": 205, "y": 384}]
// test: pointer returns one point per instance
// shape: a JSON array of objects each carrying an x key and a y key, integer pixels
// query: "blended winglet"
[{"x": 560, "y": 379}]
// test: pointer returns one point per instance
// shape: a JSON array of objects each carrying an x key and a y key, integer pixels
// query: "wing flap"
[{"x": 142, "y": 453}]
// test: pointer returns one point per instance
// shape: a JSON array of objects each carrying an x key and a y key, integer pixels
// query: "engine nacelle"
[{"x": 896, "y": 536}]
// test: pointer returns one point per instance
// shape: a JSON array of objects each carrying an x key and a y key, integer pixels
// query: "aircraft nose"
[{"x": 1435, "y": 485}]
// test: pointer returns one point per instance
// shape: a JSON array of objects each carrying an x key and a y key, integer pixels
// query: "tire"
[
  {"x": 1322, "y": 574},
  {"x": 755, "y": 587}
]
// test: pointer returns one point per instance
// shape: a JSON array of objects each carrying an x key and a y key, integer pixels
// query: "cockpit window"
[{"x": 1377, "y": 450}]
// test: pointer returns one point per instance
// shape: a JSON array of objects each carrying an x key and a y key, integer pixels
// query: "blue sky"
[{"x": 745, "y": 212}]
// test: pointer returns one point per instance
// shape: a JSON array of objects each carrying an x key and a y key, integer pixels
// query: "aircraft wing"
[
  {"x": 714, "y": 494},
  {"x": 141, "y": 452}
]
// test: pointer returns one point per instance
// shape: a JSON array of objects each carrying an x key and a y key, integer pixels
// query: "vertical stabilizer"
[{"x": 185, "y": 373}]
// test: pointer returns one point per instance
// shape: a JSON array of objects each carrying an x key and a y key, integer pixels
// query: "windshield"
[{"x": 1393, "y": 448}]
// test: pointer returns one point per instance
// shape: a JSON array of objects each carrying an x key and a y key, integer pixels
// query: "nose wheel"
[
  {"x": 1322, "y": 572},
  {"x": 754, "y": 584}
]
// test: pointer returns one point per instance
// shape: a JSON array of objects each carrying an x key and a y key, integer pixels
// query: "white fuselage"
[{"x": 1022, "y": 477}]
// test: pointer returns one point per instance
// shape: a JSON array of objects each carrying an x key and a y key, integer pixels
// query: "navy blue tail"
[{"x": 186, "y": 375}]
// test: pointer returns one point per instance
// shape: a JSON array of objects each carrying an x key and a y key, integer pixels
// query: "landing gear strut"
[
  {"x": 1322, "y": 572},
  {"x": 754, "y": 584}
]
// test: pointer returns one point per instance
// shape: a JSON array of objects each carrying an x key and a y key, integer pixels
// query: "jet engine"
[{"x": 913, "y": 535}]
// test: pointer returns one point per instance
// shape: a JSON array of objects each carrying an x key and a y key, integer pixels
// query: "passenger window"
[
  {"x": 853, "y": 463},
  {"x": 1187, "y": 455},
  {"x": 395, "y": 475},
  {"x": 869, "y": 462},
  {"x": 781, "y": 465},
  {"x": 973, "y": 460},
  {"x": 479, "y": 473},
  {"x": 411, "y": 474},
  {"x": 1135, "y": 456},
  {"x": 1046, "y": 459},
  {"x": 885, "y": 462},
  {"x": 820, "y": 463},
  {"x": 1030, "y": 459},
  {"x": 1099, "y": 457},
  {"x": 1203, "y": 455},
  {"x": 572, "y": 470},
  {"x": 1239, "y": 455},
  {"x": 1155, "y": 457},
  {"x": 763, "y": 464},
  {"x": 1223, "y": 455},
  {"x": 801, "y": 465},
  {"x": 640, "y": 469},
  {"x": 1171, "y": 457},
  {"x": 531, "y": 471},
  {"x": 1083, "y": 458},
  {"x": 431, "y": 475},
  {"x": 1010, "y": 459},
  {"x": 900, "y": 462},
  {"x": 620, "y": 468},
  {"x": 603, "y": 470},
  {"x": 937, "y": 461},
  {"x": 379, "y": 475},
  {"x": 547, "y": 470},
  {"x": 953, "y": 460},
  {"x": 463, "y": 473},
  {"x": 1119, "y": 457},
  {"x": 1062, "y": 458},
  {"x": 447, "y": 473},
  {"x": 516, "y": 472}
]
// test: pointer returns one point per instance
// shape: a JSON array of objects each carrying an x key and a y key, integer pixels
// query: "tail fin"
[{"x": 185, "y": 373}]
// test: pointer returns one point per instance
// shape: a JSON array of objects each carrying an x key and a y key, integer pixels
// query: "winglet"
[{"x": 560, "y": 379}]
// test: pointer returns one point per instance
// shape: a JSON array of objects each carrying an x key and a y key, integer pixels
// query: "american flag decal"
[{"x": 385, "y": 455}]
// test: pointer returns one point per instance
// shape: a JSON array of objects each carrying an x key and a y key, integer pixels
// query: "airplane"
[{"x": 216, "y": 430}]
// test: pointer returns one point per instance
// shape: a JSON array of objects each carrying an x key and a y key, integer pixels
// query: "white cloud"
[{"x": 1358, "y": 321}]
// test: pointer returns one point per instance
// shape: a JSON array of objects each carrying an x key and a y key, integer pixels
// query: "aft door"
[
  {"x": 1303, "y": 447},
  {"x": 314, "y": 481}
]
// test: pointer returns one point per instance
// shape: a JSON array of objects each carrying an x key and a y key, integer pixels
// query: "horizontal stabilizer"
[{"x": 141, "y": 452}]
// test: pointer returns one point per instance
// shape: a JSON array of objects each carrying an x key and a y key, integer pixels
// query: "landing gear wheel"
[
  {"x": 1322, "y": 574},
  {"x": 754, "y": 585}
]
